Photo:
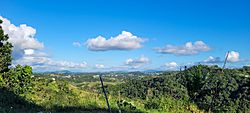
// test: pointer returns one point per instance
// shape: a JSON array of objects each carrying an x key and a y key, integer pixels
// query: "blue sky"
[{"x": 221, "y": 25}]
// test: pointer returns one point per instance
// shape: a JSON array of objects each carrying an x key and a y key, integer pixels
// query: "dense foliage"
[
  {"x": 209, "y": 87},
  {"x": 217, "y": 90}
]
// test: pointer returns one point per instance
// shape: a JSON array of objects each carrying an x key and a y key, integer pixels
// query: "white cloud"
[
  {"x": 99, "y": 66},
  {"x": 170, "y": 65},
  {"x": 22, "y": 38},
  {"x": 27, "y": 49},
  {"x": 77, "y": 44},
  {"x": 188, "y": 49},
  {"x": 131, "y": 64},
  {"x": 212, "y": 60},
  {"x": 68, "y": 64},
  {"x": 233, "y": 56},
  {"x": 124, "y": 41},
  {"x": 47, "y": 64},
  {"x": 137, "y": 62},
  {"x": 32, "y": 60},
  {"x": 40, "y": 60}
]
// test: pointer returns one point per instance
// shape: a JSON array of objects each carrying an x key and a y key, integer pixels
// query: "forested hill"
[{"x": 197, "y": 89}]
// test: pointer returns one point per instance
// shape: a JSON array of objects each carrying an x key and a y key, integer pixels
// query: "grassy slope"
[{"x": 60, "y": 96}]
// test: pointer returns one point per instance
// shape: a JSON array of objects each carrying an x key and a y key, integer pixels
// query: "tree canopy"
[{"x": 17, "y": 78}]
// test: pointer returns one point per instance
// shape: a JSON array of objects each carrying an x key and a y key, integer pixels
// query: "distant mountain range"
[
  {"x": 70, "y": 72},
  {"x": 57, "y": 72}
]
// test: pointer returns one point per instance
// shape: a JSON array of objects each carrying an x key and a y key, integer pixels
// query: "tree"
[
  {"x": 194, "y": 78},
  {"x": 14, "y": 79},
  {"x": 18, "y": 79},
  {"x": 242, "y": 94},
  {"x": 215, "y": 94},
  {"x": 5, "y": 51}
]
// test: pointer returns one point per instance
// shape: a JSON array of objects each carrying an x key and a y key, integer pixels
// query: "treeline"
[{"x": 211, "y": 88}]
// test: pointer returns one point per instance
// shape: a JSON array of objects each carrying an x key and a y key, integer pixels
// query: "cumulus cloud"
[
  {"x": 99, "y": 66},
  {"x": 22, "y": 38},
  {"x": 40, "y": 60},
  {"x": 212, "y": 60},
  {"x": 77, "y": 44},
  {"x": 32, "y": 60},
  {"x": 137, "y": 62},
  {"x": 68, "y": 64},
  {"x": 170, "y": 65},
  {"x": 46, "y": 63},
  {"x": 131, "y": 64},
  {"x": 124, "y": 41},
  {"x": 188, "y": 49},
  {"x": 233, "y": 56},
  {"x": 27, "y": 49}
]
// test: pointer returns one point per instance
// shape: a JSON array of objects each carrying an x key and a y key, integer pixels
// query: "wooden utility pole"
[
  {"x": 105, "y": 95},
  {"x": 225, "y": 60}
]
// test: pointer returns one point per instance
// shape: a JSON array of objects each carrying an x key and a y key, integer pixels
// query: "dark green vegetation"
[
  {"x": 209, "y": 87},
  {"x": 197, "y": 89}
]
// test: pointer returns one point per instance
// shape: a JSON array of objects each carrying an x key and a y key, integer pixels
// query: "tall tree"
[
  {"x": 15, "y": 79},
  {"x": 5, "y": 51}
]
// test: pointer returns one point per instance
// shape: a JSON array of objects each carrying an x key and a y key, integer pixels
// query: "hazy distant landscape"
[
  {"x": 124, "y": 56},
  {"x": 195, "y": 90}
]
